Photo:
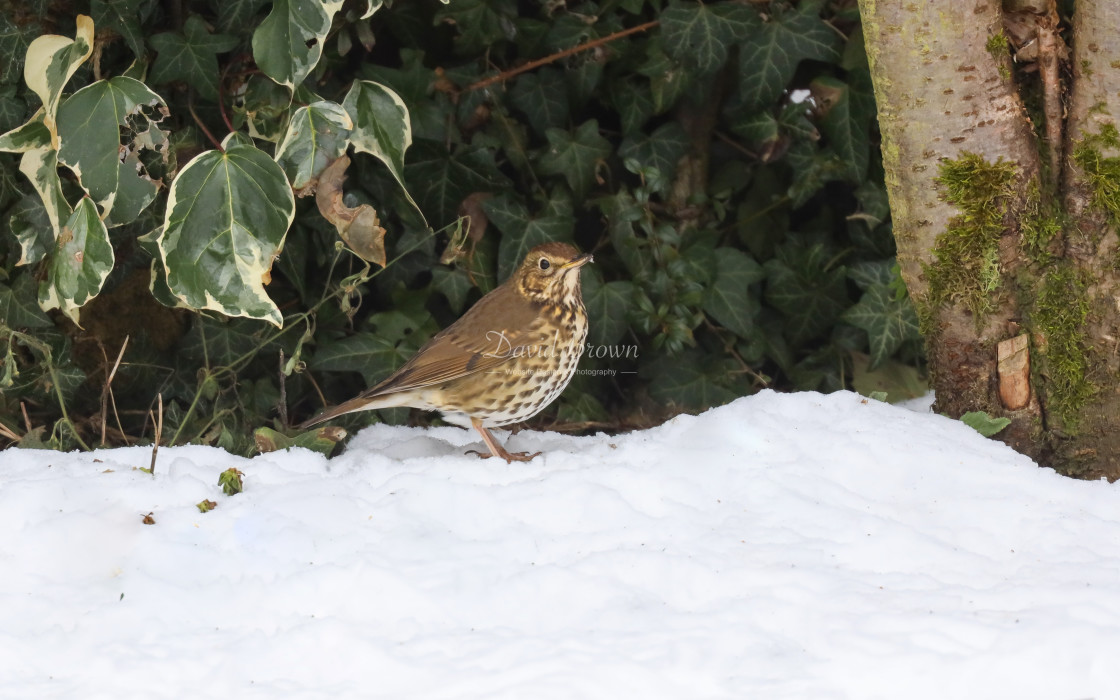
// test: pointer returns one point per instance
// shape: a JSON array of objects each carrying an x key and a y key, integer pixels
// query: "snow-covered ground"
[{"x": 784, "y": 546}]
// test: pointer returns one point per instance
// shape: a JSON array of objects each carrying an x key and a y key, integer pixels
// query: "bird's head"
[{"x": 549, "y": 274}]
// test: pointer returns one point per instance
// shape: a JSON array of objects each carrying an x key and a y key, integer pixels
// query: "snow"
[{"x": 783, "y": 546}]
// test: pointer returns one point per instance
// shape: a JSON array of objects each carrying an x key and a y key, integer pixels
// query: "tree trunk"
[{"x": 1010, "y": 257}]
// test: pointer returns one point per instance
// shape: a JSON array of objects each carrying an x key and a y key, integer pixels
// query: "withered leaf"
[{"x": 357, "y": 226}]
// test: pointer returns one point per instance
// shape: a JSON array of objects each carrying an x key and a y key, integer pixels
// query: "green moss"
[
  {"x": 1101, "y": 173},
  {"x": 1040, "y": 224},
  {"x": 1059, "y": 317},
  {"x": 967, "y": 267},
  {"x": 997, "y": 47}
]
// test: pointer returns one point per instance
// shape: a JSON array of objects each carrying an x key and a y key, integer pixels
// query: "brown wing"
[{"x": 480, "y": 341}]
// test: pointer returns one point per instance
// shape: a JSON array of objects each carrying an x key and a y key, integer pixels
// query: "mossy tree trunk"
[{"x": 1004, "y": 187}]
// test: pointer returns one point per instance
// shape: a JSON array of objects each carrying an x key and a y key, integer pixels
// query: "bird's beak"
[{"x": 579, "y": 261}]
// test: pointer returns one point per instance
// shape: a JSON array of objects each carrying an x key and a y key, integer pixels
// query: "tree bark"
[
  {"x": 943, "y": 96},
  {"x": 1091, "y": 172},
  {"x": 1048, "y": 311}
]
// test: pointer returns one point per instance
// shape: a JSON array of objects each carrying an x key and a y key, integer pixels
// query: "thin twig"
[
  {"x": 8, "y": 433},
  {"x": 197, "y": 120},
  {"x": 736, "y": 145},
  {"x": 283, "y": 393},
  {"x": 729, "y": 346},
  {"x": 159, "y": 434},
  {"x": 506, "y": 75},
  {"x": 26, "y": 420},
  {"x": 62, "y": 404},
  {"x": 222, "y": 96},
  {"x": 315, "y": 386},
  {"x": 107, "y": 393}
]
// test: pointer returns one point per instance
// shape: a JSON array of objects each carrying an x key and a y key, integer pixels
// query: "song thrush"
[{"x": 507, "y": 358}]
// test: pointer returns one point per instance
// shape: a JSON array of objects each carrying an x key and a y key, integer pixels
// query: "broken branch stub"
[{"x": 1014, "y": 366}]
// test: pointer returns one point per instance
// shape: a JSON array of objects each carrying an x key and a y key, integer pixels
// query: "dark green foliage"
[{"x": 740, "y": 230}]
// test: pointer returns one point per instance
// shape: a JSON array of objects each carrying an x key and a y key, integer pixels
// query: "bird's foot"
[{"x": 509, "y": 457}]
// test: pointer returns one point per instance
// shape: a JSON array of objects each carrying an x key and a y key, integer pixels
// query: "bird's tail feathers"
[{"x": 359, "y": 403}]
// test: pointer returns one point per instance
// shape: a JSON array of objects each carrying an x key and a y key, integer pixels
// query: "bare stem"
[
  {"x": 506, "y": 75},
  {"x": 159, "y": 435},
  {"x": 197, "y": 120},
  {"x": 107, "y": 393}
]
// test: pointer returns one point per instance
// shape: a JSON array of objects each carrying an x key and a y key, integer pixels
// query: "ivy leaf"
[
  {"x": 656, "y": 155},
  {"x": 801, "y": 284},
  {"x": 758, "y": 128},
  {"x": 634, "y": 103},
  {"x": 521, "y": 231},
  {"x": 844, "y": 126},
  {"x": 89, "y": 130},
  {"x": 580, "y": 406},
  {"x": 12, "y": 107},
  {"x": 31, "y": 226},
  {"x": 729, "y": 300},
  {"x": 575, "y": 155},
  {"x": 442, "y": 180},
  {"x": 191, "y": 57},
  {"x": 985, "y": 424},
  {"x": 699, "y": 35},
  {"x": 874, "y": 206},
  {"x": 14, "y": 40},
  {"x": 289, "y": 42},
  {"x": 51, "y": 61},
  {"x": 607, "y": 305},
  {"x": 453, "y": 283},
  {"x": 235, "y": 15},
  {"x": 30, "y": 136},
  {"x": 543, "y": 97},
  {"x": 622, "y": 211},
  {"x": 221, "y": 341},
  {"x": 373, "y": 6},
  {"x": 869, "y": 273},
  {"x": 317, "y": 134},
  {"x": 19, "y": 306},
  {"x": 40, "y": 165},
  {"x": 898, "y": 381},
  {"x": 690, "y": 381},
  {"x": 11, "y": 188},
  {"x": 813, "y": 167},
  {"x": 381, "y": 127},
  {"x": 667, "y": 78},
  {"x": 769, "y": 55},
  {"x": 321, "y": 440},
  {"x": 582, "y": 80},
  {"x": 78, "y": 268},
  {"x": 480, "y": 23},
  {"x": 372, "y": 355},
  {"x": 227, "y": 216},
  {"x": 888, "y": 322},
  {"x": 123, "y": 17},
  {"x": 263, "y": 105}
]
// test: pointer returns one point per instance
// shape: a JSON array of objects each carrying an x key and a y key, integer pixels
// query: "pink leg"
[{"x": 496, "y": 449}]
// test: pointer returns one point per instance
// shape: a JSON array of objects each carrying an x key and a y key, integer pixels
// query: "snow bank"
[{"x": 784, "y": 546}]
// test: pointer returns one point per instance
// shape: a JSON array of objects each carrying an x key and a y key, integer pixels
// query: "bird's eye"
[{"x": 544, "y": 263}]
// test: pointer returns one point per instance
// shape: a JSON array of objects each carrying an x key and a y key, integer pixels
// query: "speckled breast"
[{"x": 536, "y": 373}]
